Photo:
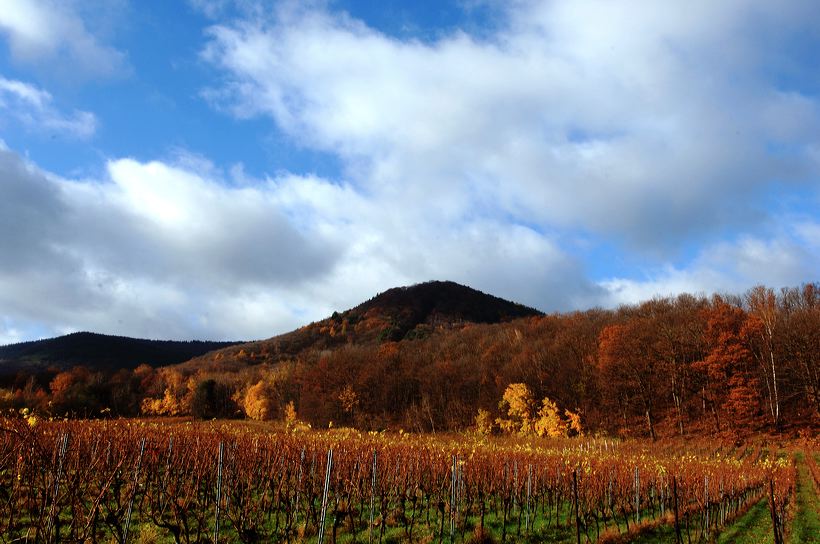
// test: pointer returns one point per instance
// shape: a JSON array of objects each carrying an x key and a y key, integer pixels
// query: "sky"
[{"x": 217, "y": 169}]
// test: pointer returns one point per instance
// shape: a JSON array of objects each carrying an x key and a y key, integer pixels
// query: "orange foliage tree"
[
  {"x": 730, "y": 389},
  {"x": 630, "y": 368},
  {"x": 257, "y": 402}
]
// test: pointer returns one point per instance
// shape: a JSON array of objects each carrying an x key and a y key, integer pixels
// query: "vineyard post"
[
  {"x": 218, "y": 489},
  {"x": 372, "y": 496},
  {"x": 462, "y": 492},
  {"x": 504, "y": 503},
  {"x": 453, "y": 500},
  {"x": 663, "y": 497},
  {"x": 298, "y": 486},
  {"x": 778, "y": 538},
  {"x": 168, "y": 465},
  {"x": 678, "y": 537},
  {"x": 575, "y": 503},
  {"x": 637, "y": 497},
  {"x": 529, "y": 493},
  {"x": 516, "y": 500},
  {"x": 722, "y": 516},
  {"x": 52, "y": 510},
  {"x": 706, "y": 504},
  {"x": 133, "y": 493},
  {"x": 610, "y": 501},
  {"x": 557, "y": 496},
  {"x": 324, "y": 496}
]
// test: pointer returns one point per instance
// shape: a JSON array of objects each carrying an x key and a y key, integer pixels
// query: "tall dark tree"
[
  {"x": 629, "y": 366},
  {"x": 212, "y": 399}
]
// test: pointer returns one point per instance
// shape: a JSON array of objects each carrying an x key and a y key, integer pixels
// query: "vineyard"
[{"x": 142, "y": 481}]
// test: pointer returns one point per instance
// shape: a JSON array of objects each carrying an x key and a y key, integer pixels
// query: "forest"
[{"x": 725, "y": 364}]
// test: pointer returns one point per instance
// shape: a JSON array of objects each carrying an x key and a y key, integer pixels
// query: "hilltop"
[
  {"x": 98, "y": 352},
  {"x": 401, "y": 313}
]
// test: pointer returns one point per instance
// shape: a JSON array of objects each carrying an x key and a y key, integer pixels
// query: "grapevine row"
[{"x": 82, "y": 481}]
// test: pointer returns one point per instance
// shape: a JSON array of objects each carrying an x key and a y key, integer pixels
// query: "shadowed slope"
[
  {"x": 401, "y": 313},
  {"x": 98, "y": 352}
]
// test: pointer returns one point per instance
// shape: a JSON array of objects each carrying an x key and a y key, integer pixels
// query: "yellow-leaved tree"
[
  {"x": 290, "y": 416},
  {"x": 574, "y": 419},
  {"x": 483, "y": 422},
  {"x": 168, "y": 405},
  {"x": 519, "y": 406},
  {"x": 549, "y": 422},
  {"x": 517, "y": 402},
  {"x": 257, "y": 402}
]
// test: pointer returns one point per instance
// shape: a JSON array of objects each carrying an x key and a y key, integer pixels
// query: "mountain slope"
[
  {"x": 99, "y": 352},
  {"x": 438, "y": 303},
  {"x": 401, "y": 313}
]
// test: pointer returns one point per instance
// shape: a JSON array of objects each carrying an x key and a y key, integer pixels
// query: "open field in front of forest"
[{"x": 161, "y": 481}]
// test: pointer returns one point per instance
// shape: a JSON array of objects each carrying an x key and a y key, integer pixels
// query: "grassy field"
[{"x": 805, "y": 528}]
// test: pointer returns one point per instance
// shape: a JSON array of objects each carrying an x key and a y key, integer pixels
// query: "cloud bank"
[
  {"x": 651, "y": 124},
  {"x": 159, "y": 250},
  {"x": 577, "y": 154},
  {"x": 32, "y": 107},
  {"x": 54, "y": 34}
]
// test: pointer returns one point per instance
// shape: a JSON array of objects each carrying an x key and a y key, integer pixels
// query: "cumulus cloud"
[
  {"x": 788, "y": 259},
  {"x": 147, "y": 250},
  {"x": 176, "y": 251},
  {"x": 503, "y": 161},
  {"x": 55, "y": 34},
  {"x": 9, "y": 334},
  {"x": 652, "y": 124},
  {"x": 33, "y": 108}
]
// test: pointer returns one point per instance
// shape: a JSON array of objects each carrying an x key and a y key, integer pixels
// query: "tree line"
[{"x": 669, "y": 366}]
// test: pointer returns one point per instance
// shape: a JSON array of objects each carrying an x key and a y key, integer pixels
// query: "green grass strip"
[
  {"x": 754, "y": 527},
  {"x": 805, "y": 528}
]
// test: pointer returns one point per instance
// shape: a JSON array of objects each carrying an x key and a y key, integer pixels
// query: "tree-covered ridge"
[
  {"x": 99, "y": 351},
  {"x": 668, "y": 366},
  {"x": 401, "y": 313}
]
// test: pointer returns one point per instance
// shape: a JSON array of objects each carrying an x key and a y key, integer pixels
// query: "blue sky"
[{"x": 234, "y": 169}]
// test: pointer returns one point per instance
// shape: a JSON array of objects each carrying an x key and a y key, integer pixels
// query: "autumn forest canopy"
[{"x": 440, "y": 357}]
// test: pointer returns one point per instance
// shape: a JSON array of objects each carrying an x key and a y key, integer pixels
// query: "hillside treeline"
[
  {"x": 682, "y": 365},
  {"x": 99, "y": 351}
]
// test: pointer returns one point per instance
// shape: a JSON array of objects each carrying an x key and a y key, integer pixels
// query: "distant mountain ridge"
[
  {"x": 400, "y": 313},
  {"x": 99, "y": 352}
]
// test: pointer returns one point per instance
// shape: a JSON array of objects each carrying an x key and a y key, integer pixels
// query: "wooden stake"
[
  {"x": 324, "y": 495},
  {"x": 133, "y": 493}
]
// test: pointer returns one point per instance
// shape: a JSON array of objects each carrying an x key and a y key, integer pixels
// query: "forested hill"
[
  {"x": 416, "y": 359},
  {"x": 98, "y": 352},
  {"x": 401, "y": 313},
  {"x": 440, "y": 356},
  {"x": 437, "y": 303}
]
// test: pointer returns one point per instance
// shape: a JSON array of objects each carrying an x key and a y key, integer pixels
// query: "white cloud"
[
  {"x": 212, "y": 9},
  {"x": 808, "y": 232},
  {"x": 163, "y": 250},
  {"x": 9, "y": 334},
  {"x": 33, "y": 108},
  {"x": 480, "y": 160},
  {"x": 54, "y": 34},
  {"x": 619, "y": 119},
  {"x": 147, "y": 250},
  {"x": 788, "y": 259}
]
